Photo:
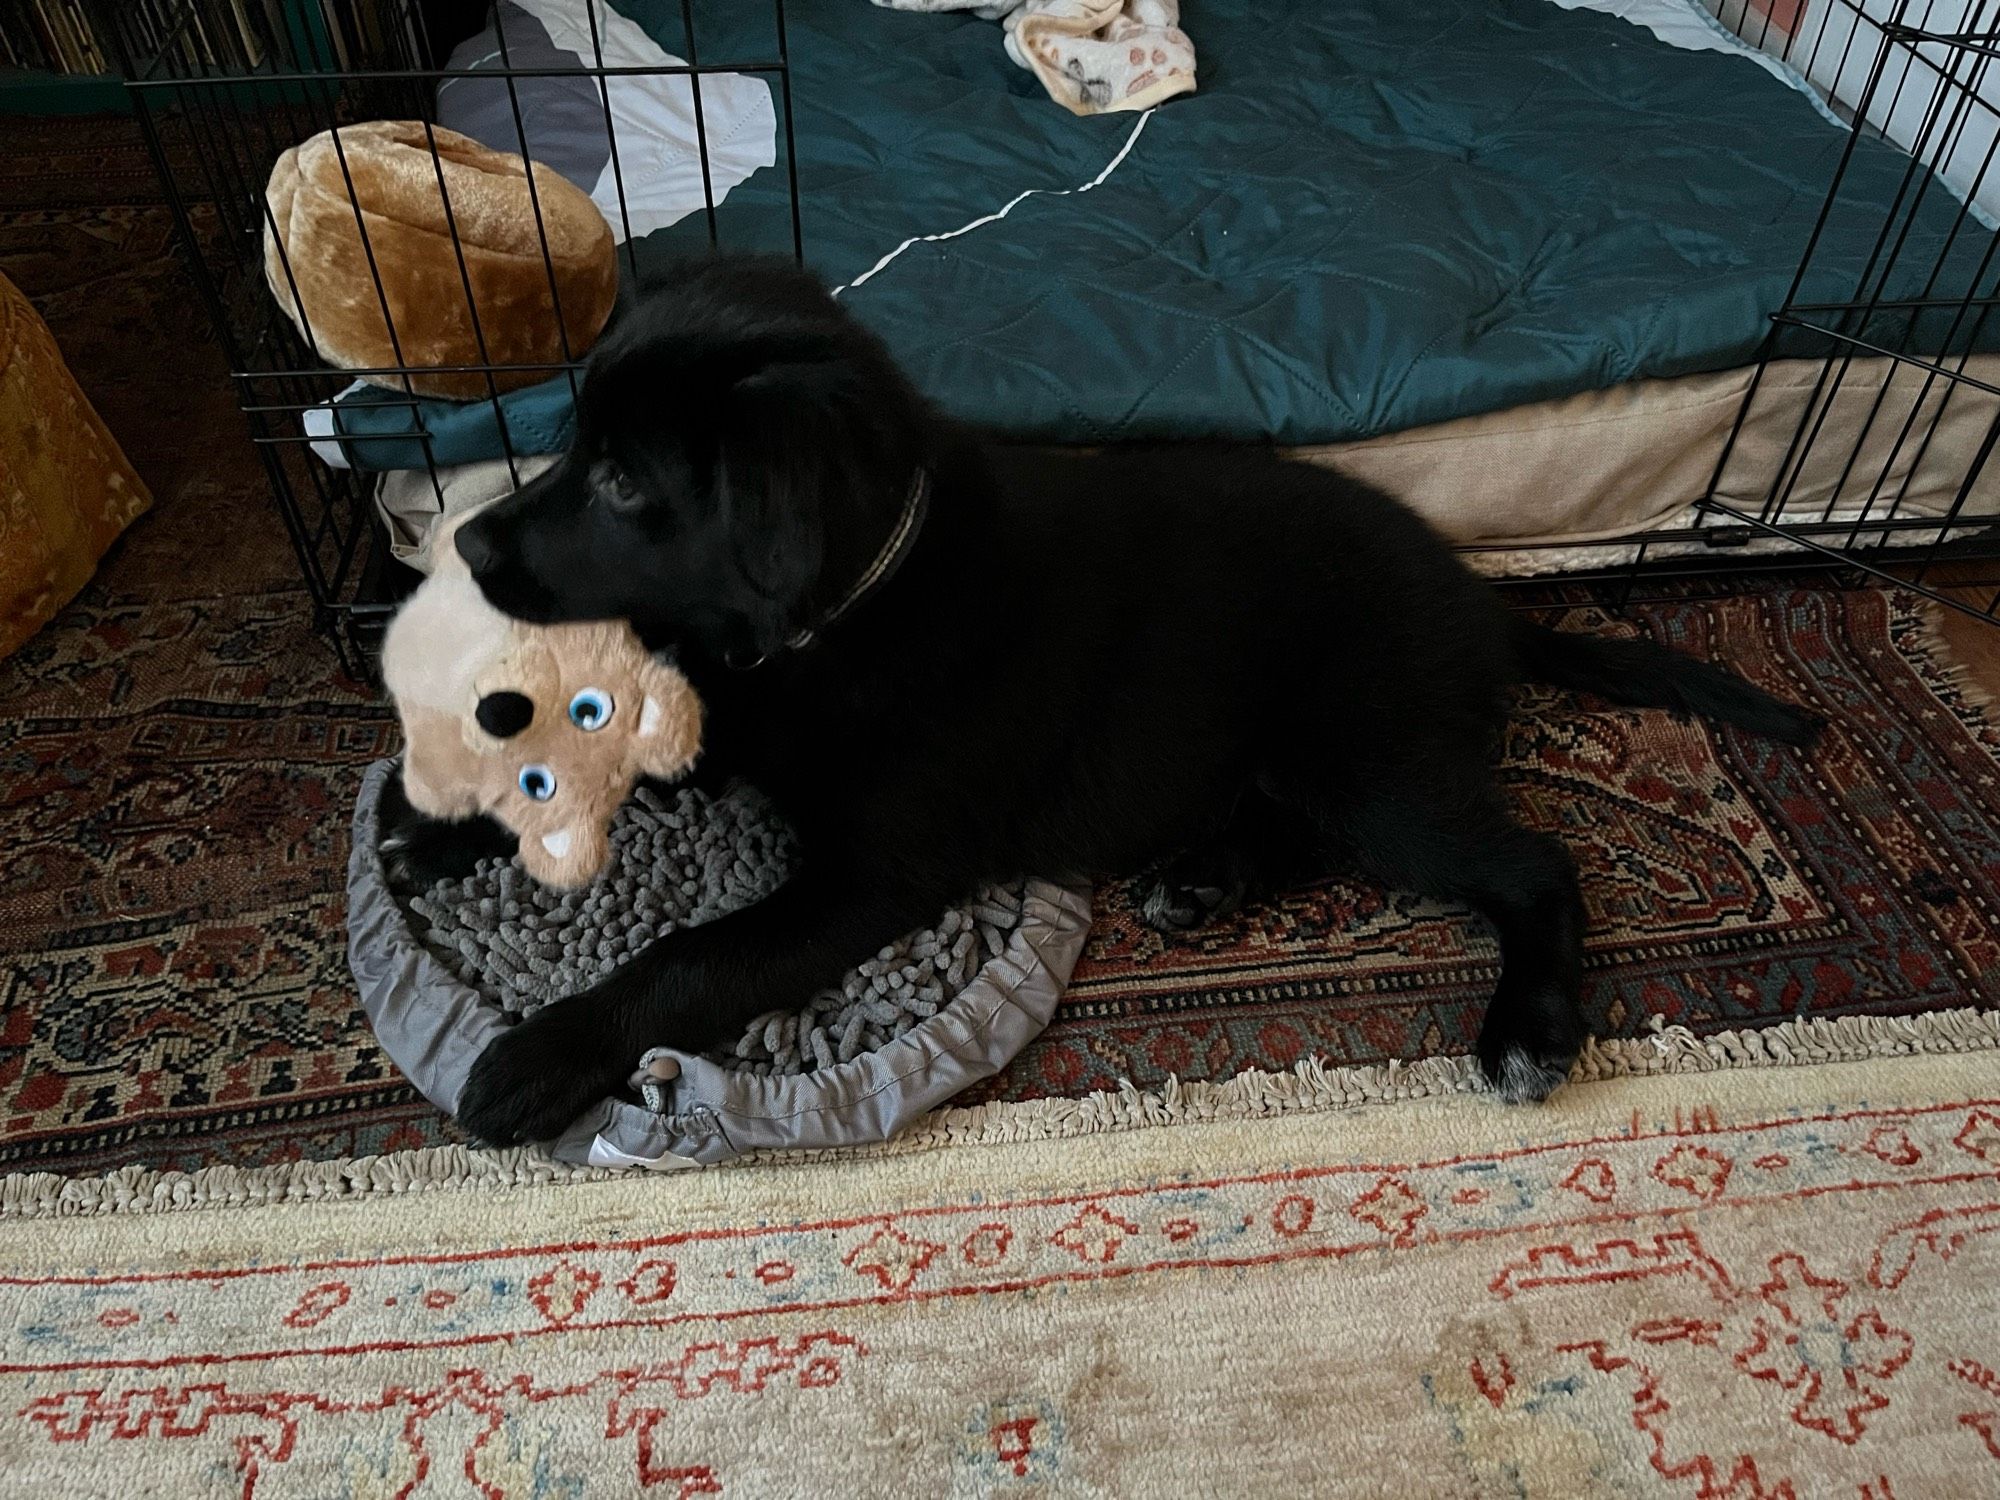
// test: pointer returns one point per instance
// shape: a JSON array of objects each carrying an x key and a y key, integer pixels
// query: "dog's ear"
[
  {"x": 793, "y": 443},
  {"x": 771, "y": 498},
  {"x": 776, "y": 364}
]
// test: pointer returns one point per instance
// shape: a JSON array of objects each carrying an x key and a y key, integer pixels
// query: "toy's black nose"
[
  {"x": 476, "y": 547},
  {"x": 505, "y": 714}
]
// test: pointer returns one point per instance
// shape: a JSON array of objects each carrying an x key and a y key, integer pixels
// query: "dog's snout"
[{"x": 476, "y": 547}]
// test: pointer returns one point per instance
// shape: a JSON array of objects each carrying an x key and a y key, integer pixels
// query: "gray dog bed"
[{"x": 439, "y": 972}]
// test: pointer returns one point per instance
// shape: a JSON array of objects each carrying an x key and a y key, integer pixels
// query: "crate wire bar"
[
  {"x": 215, "y": 134},
  {"x": 1911, "y": 72}
]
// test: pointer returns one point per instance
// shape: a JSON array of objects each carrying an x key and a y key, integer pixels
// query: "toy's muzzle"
[{"x": 504, "y": 714}]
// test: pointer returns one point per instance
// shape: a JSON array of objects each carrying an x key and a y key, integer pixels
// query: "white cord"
[{"x": 950, "y": 234}]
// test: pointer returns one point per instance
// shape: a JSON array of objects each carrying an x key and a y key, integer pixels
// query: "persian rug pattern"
[{"x": 1751, "y": 1280}]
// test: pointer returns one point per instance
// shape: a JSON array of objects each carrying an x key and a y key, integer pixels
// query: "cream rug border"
[
  {"x": 515, "y": 1212},
  {"x": 1308, "y": 1088}
]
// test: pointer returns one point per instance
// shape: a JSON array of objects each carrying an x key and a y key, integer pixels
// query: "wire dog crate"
[
  {"x": 1885, "y": 407},
  {"x": 1862, "y": 438},
  {"x": 218, "y": 119}
]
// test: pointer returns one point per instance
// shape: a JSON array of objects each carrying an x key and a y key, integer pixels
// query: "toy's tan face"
[
  {"x": 545, "y": 728},
  {"x": 441, "y": 772},
  {"x": 602, "y": 715}
]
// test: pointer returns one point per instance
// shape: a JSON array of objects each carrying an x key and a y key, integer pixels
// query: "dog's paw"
[
  {"x": 1185, "y": 896},
  {"x": 1528, "y": 1058},
  {"x": 419, "y": 853},
  {"x": 532, "y": 1082},
  {"x": 1518, "y": 1076},
  {"x": 1170, "y": 908}
]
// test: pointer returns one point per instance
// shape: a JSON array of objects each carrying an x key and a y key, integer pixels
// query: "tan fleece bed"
[{"x": 1557, "y": 486}]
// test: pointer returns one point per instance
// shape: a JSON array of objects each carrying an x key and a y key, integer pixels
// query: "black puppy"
[{"x": 950, "y": 661}]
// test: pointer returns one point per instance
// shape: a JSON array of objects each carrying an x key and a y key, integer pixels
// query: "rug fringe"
[
  {"x": 1310, "y": 1086},
  {"x": 1313, "y": 1086},
  {"x": 1931, "y": 645}
]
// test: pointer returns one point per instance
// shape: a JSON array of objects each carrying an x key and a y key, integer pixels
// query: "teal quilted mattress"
[{"x": 1372, "y": 216}]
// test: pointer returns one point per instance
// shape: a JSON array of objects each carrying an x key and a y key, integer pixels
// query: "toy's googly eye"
[
  {"x": 538, "y": 782},
  {"x": 590, "y": 709}
]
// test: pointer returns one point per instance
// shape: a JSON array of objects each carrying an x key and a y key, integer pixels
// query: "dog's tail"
[{"x": 1645, "y": 674}]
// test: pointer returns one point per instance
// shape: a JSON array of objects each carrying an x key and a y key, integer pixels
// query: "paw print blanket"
[{"x": 1093, "y": 56}]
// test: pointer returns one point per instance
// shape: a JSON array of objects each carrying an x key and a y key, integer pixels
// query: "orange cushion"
[{"x": 66, "y": 490}]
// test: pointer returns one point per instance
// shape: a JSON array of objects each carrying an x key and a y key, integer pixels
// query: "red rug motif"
[{"x": 1758, "y": 1283}]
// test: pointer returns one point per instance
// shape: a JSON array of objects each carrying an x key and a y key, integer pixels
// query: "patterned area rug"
[
  {"x": 178, "y": 752},
  {"x": 69, "y": 161},
  {"x": 178, "y": 755},
  {"x": 1692, "y": 1277},
  {"x": 1728, "y": 880}
]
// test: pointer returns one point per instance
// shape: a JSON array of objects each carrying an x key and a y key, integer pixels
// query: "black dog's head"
[{"x": 743, "y": 448}]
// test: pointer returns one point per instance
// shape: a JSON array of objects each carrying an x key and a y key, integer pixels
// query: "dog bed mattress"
[
  {"x": 439, "y": 971},
  {"x": 1557, "y": 484},
  {"x": 1371, "y": 218}
]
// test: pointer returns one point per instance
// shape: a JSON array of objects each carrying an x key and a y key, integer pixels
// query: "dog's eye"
[
  {"x": 617, "y": 487},
  {"x": 537, "y": 782},
  {"x": 590, "y": 709}
]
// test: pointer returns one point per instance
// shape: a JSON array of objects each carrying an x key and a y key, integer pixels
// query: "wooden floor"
[{"x": 1976, "y": 643}]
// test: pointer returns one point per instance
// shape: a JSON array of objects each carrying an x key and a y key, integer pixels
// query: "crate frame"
[{"x": 232, "y": 124}]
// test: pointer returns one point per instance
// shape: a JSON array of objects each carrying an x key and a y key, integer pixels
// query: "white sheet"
[{"x": 1685, "y": 24}]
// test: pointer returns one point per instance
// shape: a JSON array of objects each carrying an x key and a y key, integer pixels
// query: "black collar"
[{"x": 895, "y": 551}]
